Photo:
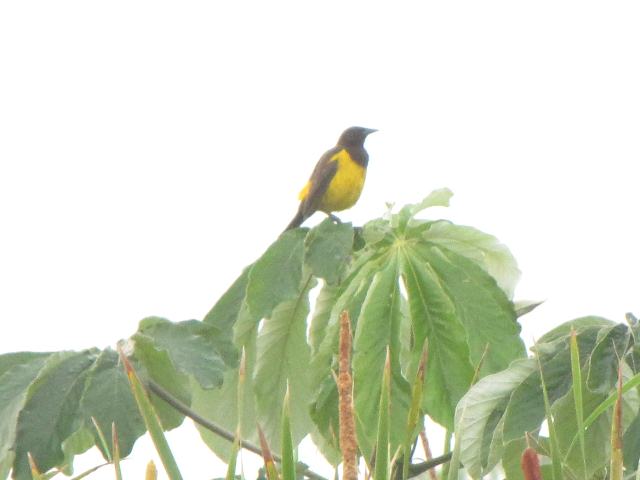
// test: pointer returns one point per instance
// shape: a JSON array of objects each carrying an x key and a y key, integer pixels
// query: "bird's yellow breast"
[{"x": 345, "y": 186}]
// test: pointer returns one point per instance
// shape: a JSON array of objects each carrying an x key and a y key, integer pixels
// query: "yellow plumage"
[{"x": 345, "y": 187}]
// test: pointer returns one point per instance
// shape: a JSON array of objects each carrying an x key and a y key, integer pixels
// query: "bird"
[{"x": 337, "y": 179}]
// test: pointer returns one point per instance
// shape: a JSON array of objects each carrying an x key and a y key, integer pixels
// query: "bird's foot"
[{"x": 334, "y": 219}]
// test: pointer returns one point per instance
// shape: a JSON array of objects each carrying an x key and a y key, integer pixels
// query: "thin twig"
[
  {"x": 218, "y": 430},
  {"x": 416, "y": 469}
]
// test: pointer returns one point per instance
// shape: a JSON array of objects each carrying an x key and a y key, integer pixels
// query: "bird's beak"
[{"x": 371, "y": 130}]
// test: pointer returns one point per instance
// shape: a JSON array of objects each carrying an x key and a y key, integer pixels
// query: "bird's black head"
[{"x": 354, "y": 136}]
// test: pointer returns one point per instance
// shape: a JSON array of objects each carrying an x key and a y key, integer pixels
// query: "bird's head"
[{"x": 354, "y": 136}]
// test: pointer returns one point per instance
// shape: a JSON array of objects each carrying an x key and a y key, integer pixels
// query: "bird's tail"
[{"x": 297, "y": 220}]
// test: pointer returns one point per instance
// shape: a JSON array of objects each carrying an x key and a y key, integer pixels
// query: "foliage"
[
  {"x": 49, "y": 399},
  {"x": 409, "y": 286},
  {"x": 500, "y": 409}
]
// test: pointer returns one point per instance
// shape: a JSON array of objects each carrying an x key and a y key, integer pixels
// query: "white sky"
[{"x": 150, "y": 150}]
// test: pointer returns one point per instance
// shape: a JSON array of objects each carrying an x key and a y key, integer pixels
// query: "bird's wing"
[{"x": 320, "y": 179}]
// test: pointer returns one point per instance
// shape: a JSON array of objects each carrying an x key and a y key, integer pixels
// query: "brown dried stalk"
[{"x": 348, "y": 441}]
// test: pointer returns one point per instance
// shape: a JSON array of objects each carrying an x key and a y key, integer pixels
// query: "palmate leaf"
[
  {"x": 49, "y": 401},
  {"x": 501, "y": 408},
  {"x": 406, "y": 286},
  {"x": 459, "y": 307}
]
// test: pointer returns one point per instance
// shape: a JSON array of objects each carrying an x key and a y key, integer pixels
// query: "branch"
[
  {"x": 218, "y": 430},
  {"x": 416, "y": 469}
]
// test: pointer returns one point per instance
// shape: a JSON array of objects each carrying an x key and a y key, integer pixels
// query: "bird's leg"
[{"x": 334, "y": 219}]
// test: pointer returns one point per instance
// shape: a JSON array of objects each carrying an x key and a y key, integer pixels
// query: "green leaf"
[
  {"x": 6, "y": 463},
  {"x": 321, "y": 315},
  {"x": 328, "y": 248},
  {"x": 631, "y": 445},
  {"x": 482, "y": 248},
  {"x": 324, "y": 412},
  {"x": 225, "y": 312},
  {"x": 612, "y": 344},
  {"x": 486, "y": 313},
  {"x": 375, "y": 231},
  {"x": 449, "y": 370},
  {"x": 478, "y": 410},
  {"x": 597, "y": 437},
  {"x": 501, "y": 408},
  {"x": 276, "y": 276},
  {"x": 350, "y": 298},
  {"x": 222, "y": 405},
  {"x": 50, "y": 411},
  {"x": 512, "y": 457},
  {"x": 19, "y": 370},
  {"x": 283, "y": 356},
  {"x": 324, "y": 408},
  {"x": 77, "y": 443},
  {"x": 556, "y": 363},
  {"x": 235, "y": 448},
  {"x": 378, "y": 326},
  {"x": 156, "y": 365},
  {"x": 554, "y": 448},
  {"x": 522, "y": 307},
  {"x": 415, "y": 418},
  {"x": 10, "y": 360},
  {"x": 195, "y": 348},
  {"x": 437, "y": 198},
  {"x": 599, "y": 419},
  {"x": 561, "y": 332},
  {"x": 107, "y": 397}
]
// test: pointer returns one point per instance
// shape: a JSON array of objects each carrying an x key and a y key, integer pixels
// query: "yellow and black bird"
[{"x": 337, "y": 179}]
